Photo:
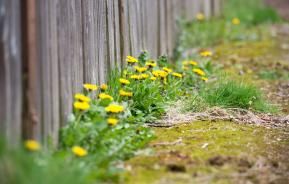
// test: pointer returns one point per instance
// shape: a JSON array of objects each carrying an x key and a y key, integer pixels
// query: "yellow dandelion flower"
[
  {"x": 206, "y": 53},
  {"x": 156, "y": 73},
  {"x": 81, "y": 105},
  {"x": 103, "y": 87},
  {"x": 204, "y": 79},
  {"x": 90, "y": 87},
  {"x": 131, "y": 59},
  {"x": 137, "y": 77},
  {"x": 82, "y": 97},
  {"x": 163, "y": 74},
  {"x": 125, "y": 93},
  {"x": 199, "y": 71},
  {"x": 140, "y": 69},
  {"x": 114, "y": 108},
  {"x": 177, "y": 74},
  {"x": 200, "y": 16},
  {"x": 168, "y": 70},
  {"x": 235, "y": 21},
  {"x": 104, "y": 96},
  {"x": 112, "y": 121},
  {"x": 153, "y": 78},
  {"x": 144, "y": 76},
  {"x": 151, "y": 64},
  {"x": 79, "y": 151},
  {"x": 124, "y": 81},
  {"x": 160, "y": 73},
  {"x": 194, "y": 63},
  {"x": 32, "y": 145}
]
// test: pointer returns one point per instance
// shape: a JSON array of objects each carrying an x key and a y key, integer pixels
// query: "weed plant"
[{"x": 235, "y": 94}]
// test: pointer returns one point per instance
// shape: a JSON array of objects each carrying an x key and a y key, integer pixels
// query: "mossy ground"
[
  {"x": 218, "y": 152},
  {"x": 226, "y": 152}
]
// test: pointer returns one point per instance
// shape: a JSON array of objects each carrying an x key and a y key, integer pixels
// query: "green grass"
[
  {"x": 235, "y": 94},
  {"x": 250, "y": 12},
  {"x": 273, "y": 75},
  {"x": 203, "y": 34},
  {"x": 268, "y": 75}
]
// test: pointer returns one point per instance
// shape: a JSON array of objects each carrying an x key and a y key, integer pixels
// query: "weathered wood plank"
[
  {"x": 65, "y": 63},
  {"x": 101, "y": 31},
  {"x": 113, "y": 34},
  {"x": 171, "y": 27},
  {"x": 217, "y": 4},
  {"x": 10, "y": 71},
  {"x": 31, "y": 126},
  {"x": 117, "y": 34},
  {"x": 90, "y": 41},
  {"x": 55, "y": 96},
  {"x": 162, "y": 36},
  {"x": 124, "y": 30},
  {"x": 207, "y": 7},
  {"x": 133, "y": 27},
  {"x": 152, "y": 30},
  {"x": 45, "y": 71}
]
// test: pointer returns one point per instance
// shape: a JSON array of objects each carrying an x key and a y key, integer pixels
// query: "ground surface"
[{"x": 213, "y": 151}]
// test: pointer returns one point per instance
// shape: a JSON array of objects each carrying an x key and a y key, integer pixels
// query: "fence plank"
[
  {"x": 45, "y": 72},
  {"x": 65, "y": 62},
  {"x": 55, "y": 96},
  {"x": 117, "y": 30},
  {"x": 110, "y": 34},
  {"x": 10, "y": 71},
  {"x": 31, "y": 84},
  {"x": 124, "y": 30},
  {"x": 152, "y": 27},
  {"x": 207, "y": 7},
  {"x": 102, "y": 39},
  {"x": 90, "y": 50},
  {"x": 113, "y": 33}
]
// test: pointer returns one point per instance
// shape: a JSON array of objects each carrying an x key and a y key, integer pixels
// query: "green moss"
[
  {"x": 245, "y": 49},
  {"x": 232, "y": 142}
]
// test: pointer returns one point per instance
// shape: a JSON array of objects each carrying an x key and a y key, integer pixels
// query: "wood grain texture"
[
  {"x": 10, "y": 71},
  {"x": 152, "y": 30},
  {"x": 45, "y": 72},
  {"x": 90, "y": 49},
  {"x": 54, "y": 77},
  {"x": 101, "y": 39},
  {"x": 207, "y": 8},
  {"x": 31, "y": 125},
  {"x": 64, "y": 60}
]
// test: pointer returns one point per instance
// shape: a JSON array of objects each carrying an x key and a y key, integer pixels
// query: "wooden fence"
[{"x": 49, "y": 48}]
